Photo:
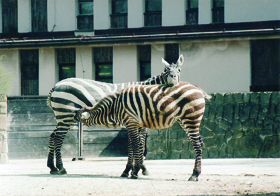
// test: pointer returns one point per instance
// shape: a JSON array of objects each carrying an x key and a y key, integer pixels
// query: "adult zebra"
[
  {"x": 72, "y": 94},
  {"x": 153, "y": 106}
]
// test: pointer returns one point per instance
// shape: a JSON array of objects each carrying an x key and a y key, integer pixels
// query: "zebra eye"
[{"x": 179, "y": 69}]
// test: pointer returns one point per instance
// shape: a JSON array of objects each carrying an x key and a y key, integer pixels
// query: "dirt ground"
[{"x": 100, "y": 176}]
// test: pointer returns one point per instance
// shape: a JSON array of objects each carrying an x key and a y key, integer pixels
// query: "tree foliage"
[{"x": 5, "y": 79}]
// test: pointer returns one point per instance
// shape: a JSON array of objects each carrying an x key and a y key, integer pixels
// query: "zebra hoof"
[
  {"x": 193, "y": 178},
  {"x": 145, "y": 173},
  {"x": 54, "y": 171},
  {"x": 124, "y": 175},
  {"x": 62, "y": 171},
  {"x": 133, "y": 176}
]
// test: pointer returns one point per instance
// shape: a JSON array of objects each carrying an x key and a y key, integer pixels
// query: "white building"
[{"x": 228, "y": 45}]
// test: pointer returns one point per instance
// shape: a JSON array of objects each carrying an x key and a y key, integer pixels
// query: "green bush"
[{"x": 5, "y": 79}]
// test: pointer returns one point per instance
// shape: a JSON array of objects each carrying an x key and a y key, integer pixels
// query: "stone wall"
[
  {"x": 235, "y": 125},
  {"x": 3, "y": 130}
]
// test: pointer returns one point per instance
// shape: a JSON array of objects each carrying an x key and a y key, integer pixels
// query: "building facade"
[{"x": 228, "y": 45}]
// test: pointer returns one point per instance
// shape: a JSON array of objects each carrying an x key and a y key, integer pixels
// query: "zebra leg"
[
  {"x": 143, "y": 135},
  {"x": 133, "y": 135},
  {"x": 129, "y": 164},
  {"x": 191, "y": 127},
  {"x": 50, "y": 161},
  {"x": 61, "y": 132}
]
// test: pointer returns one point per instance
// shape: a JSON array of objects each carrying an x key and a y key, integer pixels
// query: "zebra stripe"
[
  {"x": 156, "y": 107},
  {"x": 72, "y": 94}
]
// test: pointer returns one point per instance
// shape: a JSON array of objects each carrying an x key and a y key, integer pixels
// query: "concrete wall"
[
  {"x": 251, "y": 10},
  {"x": 24, "y": 16},
  {"x": 125, "y": 69},
  {"x": 135, "y": 17},
  {"x": 11, "y": 63},
  {"x": 173, "y": 12},
  {"x": 235, "y": 125},
  {"x": 47, "y": 62},
  {"x": 3, "y": 130},
  {"x": 102, "y": 13},
  {"x": 217, "y": 66}
]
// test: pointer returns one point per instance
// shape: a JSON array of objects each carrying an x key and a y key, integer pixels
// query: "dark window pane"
[
  {"x": 119, "y": 6},
  {"x": 39, "y": 15},
  {"x": 265, "y": 65},
  {"x": 66, "y": 60},
  {"x": 171, "y": 53},
  {"x": 67, "y": 71},
  {"x": 145, "y": 70},
  {"x": 85, "y": 17},
  {"x": 104, "y": 73},
  {"x": 29, "y": 64},
  {"x": 103, "y": 54},
  {"x": 192, "y": 4},
  {"x": 103, "y": 58},
  {"x": 153, "y": 15},
  {"x": 66, "y": 55},
  {"x": 119, "y": 14},
  {"x": 218, "y": 11},
  {"x": 153, "y": 5},
  {"x": 144, "y": 52},
  {"x": 10, "y": 17},
  {"x": 218, "y": 3},
  {"x": 192, "y": 12},
  {"x": 86, "y": 8}
]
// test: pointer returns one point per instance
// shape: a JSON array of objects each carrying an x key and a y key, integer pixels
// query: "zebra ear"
[
  {"x": 180, "y": 60},
  {"x": 165, "y": 63}
]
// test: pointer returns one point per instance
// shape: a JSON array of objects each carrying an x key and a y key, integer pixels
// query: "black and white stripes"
[
  {"x": 72, "y": 94},
  {"x": 151, "y": 106}
]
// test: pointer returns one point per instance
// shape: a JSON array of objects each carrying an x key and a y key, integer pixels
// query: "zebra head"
[{"x": 172, "y": 72}]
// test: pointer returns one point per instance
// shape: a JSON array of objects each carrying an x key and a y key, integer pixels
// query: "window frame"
[
  {"x": 9, "y": 11},
  {"x": 65, "y": 57},
  {"x": 171, "y": 52},
  {"x": 103, "y": 56},
  {"x": 118, "y": 20},
  {"x": 144, "y": 57},
  {"x": 39, "y": 16},
  {"x": 218, "y": 13},
  {"x": 29, "y": 85},
  {"x": 152, "y": 18},
  {"x": 83, "y": 19},
  {"x": 265, "y": 65},
  {"x": 193, "y": 12}
]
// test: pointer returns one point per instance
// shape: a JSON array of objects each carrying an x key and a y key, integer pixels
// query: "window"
[
  {"x": 218, "y": 11},
  {"x": 265, "y": 65},
  {"x": 10, "y": 17},
  {"x": 29, "y": 65},
  {"x": 191, "y": 12},
  {"x": 66, "y": 60},
  {"x": 144, "y": 55},
  {"x": 152, "y": 14},
  {"x": 103, "y": 59},
  {"x": 119, "y": 14},
  {"x": 39, "y": 15},
  {"x": 171, "y": 53},
  {"x": 85, "y": 17}
]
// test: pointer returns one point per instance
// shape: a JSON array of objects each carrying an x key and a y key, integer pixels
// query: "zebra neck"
[{"x": 159, "y": 79}]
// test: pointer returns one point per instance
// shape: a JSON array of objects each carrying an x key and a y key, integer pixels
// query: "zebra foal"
[
  {"x": 155, "y": 107},
  {"x": 72, "y": 94}
]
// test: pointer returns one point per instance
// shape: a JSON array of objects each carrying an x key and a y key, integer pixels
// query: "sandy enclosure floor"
[{"x": 100, "y": 176}]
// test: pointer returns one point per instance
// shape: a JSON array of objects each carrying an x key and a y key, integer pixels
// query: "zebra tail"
[{"x": 49, "y": 98}]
